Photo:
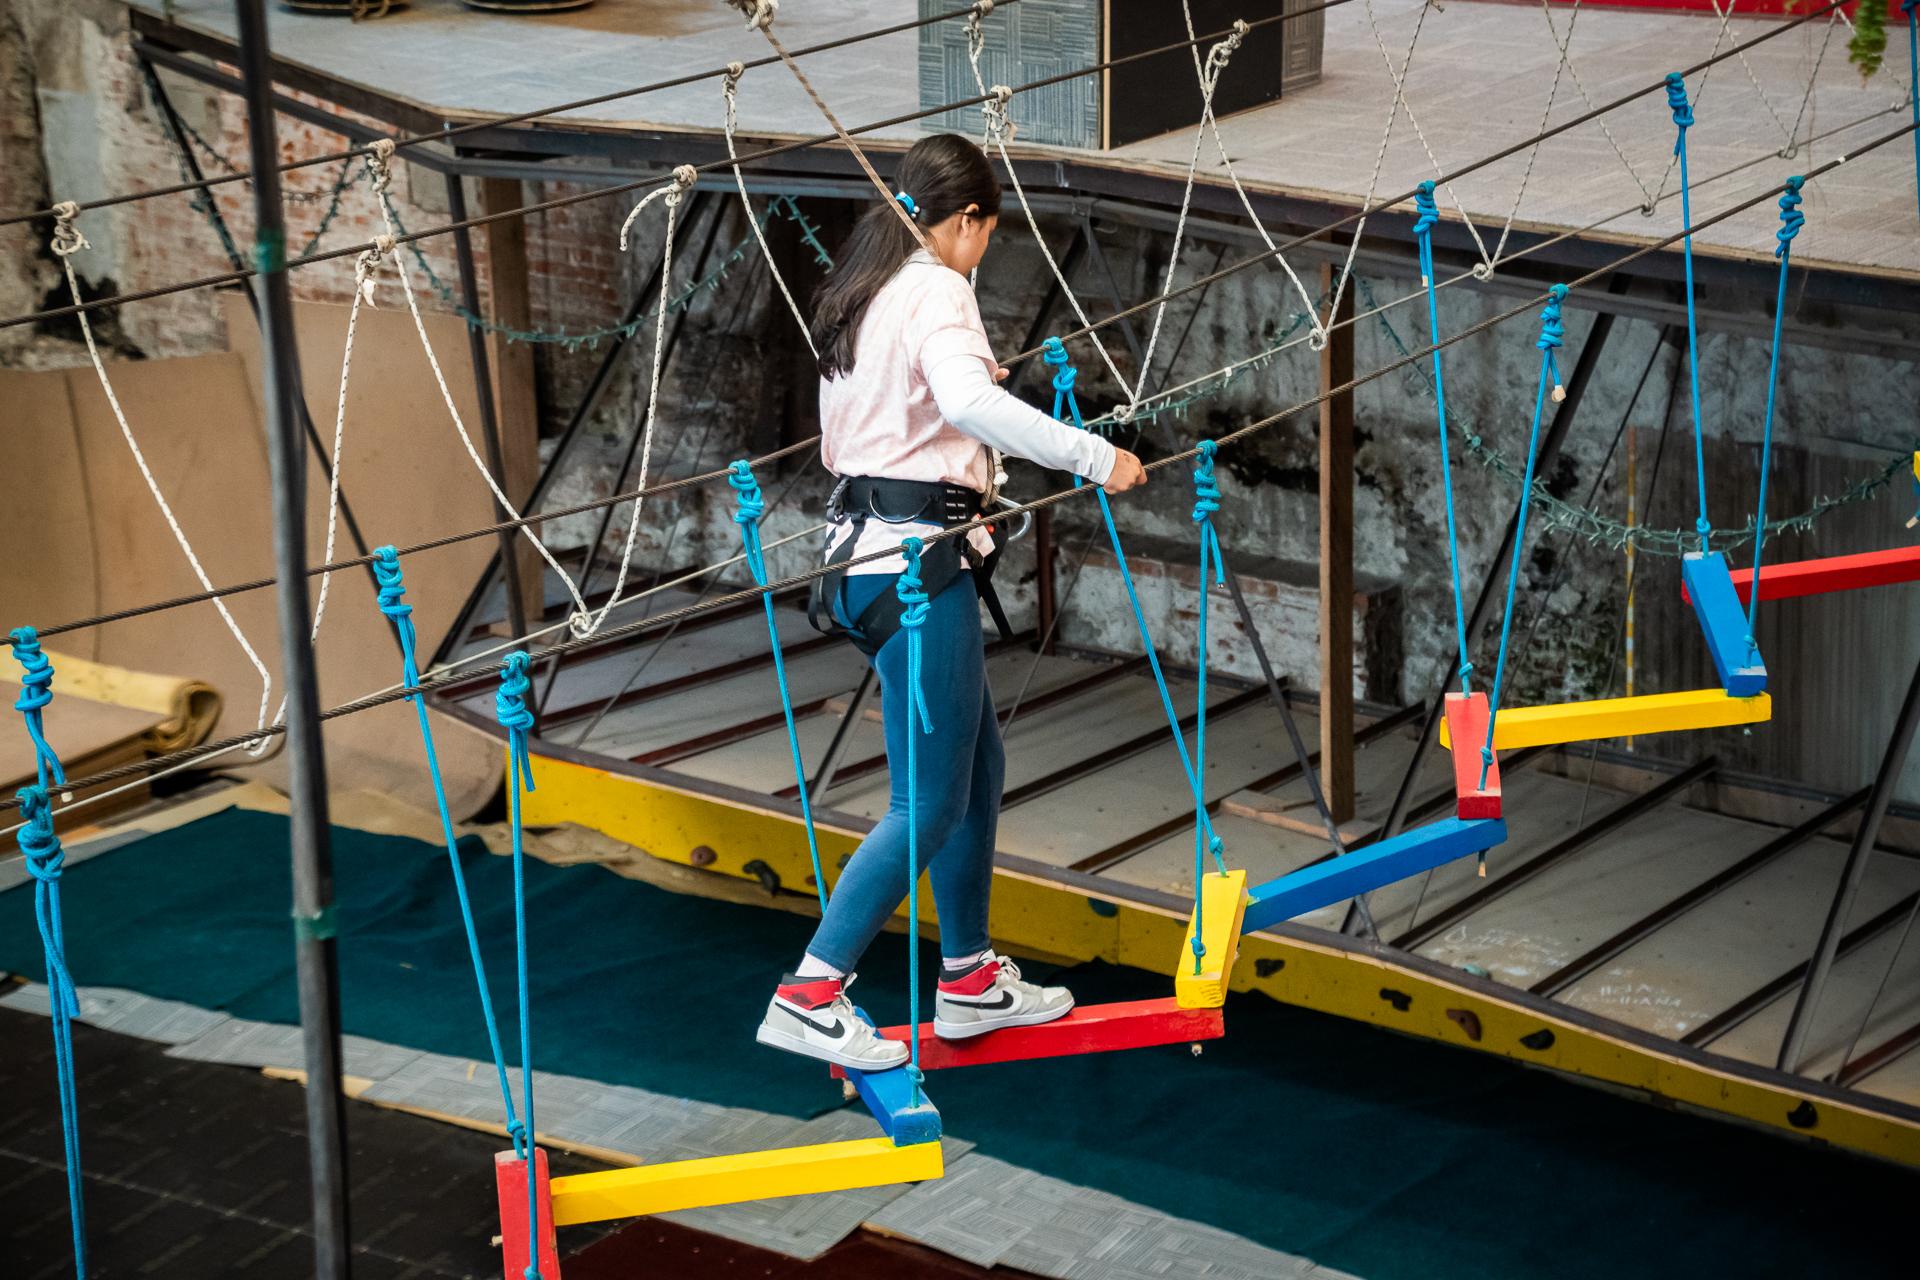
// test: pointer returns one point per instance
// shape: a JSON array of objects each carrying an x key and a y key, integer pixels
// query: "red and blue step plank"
[{"x": 1792, "y": 578}]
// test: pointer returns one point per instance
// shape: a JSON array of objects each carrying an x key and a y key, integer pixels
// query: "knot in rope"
[
  {"x": 746, "y": 489},
  {"x": 1908, "y": 8},
  {"x": 1677, "y": 103},
  {"x": 67, "y": 239},
  {"x": 510, "y": 709},
  {"x": 1054, "y": 352},
  {"x": 1206, "y": 489},
  {"x": 1427, "y": 211},
  {"x": 1217, "y": 56},
  {"x": 759, "y": 13},
  {"x": 379, "y": 158},
  {"x": 914, "y": 608},
  {"x": 36, "y": 691},
  {"x": 38, "y": 843},
  {"x": 517, "y": 1133},
  {"x": 1791, "y": 219},
  {"x": 1552, "y": 332},
  {"x": 1482, "y": 270},
  {"x": 684, "y": 176},
  {"x": 387, "y": 577},
  {"x": 731, "y": 81},
  {"x": 999, "y": 126}
]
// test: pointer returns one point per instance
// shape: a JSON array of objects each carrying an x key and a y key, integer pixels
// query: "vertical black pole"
[
  {"x": 317, "y": 964},
  {"x": 1793, "y": 1045},
  {"x": 483, "y": 392}
]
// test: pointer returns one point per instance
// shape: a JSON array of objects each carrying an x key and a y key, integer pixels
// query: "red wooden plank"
[
  {"x": 1099, "y": 1028},
  {"x": 1830, "y": 573},
  {"x": 1467, "y": 731},
  {"x": 510, "y": 1176}
]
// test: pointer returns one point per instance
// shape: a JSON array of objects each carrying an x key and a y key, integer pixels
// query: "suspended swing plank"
[
  {"x": 1222, "y": 904},
  {"x": 510, "y": 1177},
  {"x": 1099, "y": 1028},
  {"x": 1467, "y": 723},
  {"x": 760, "y": 1175},
  {"x": 905, "y": 1113},
  {"x": 1709, "y": 588},
  {"x": 1562, "y": 722},
  {"x": 1828, "y": 574},
  {"x": 1364, "y": 870}
]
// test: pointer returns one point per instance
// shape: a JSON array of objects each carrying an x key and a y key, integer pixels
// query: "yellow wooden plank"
[
  {"x": 1554, "y": 724},
  {"x": 1223, "y": 901},
  {"x": 1035, "y": 915},
  {"x": 758, "y": 1175}
]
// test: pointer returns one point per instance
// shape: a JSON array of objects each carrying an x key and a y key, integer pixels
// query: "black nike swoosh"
[
  {"x": 835, "y": 1028},
  {"x": 1004, "y": 1002}
]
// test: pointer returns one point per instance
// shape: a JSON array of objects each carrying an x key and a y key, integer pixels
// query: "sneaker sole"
[
  {"x": 776, "y": 1039},
  {"x": 967, "y": 1030}
]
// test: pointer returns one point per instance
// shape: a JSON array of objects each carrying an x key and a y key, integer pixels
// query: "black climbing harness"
[{"x": 857, "y": 499}]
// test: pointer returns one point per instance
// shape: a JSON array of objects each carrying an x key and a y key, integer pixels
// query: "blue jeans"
[{"x": 961, "y": 771}]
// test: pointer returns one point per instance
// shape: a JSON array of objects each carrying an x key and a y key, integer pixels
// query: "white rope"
[
  {"x": 363, "y": 272},
  {"x": 1401, "y": 100},
  {"x": 1546, "y": 114},
  {"x": 729, "y": 86},
  {"x": 1573, "y": 69},
  {"x": 1806, "y": 99},
  {"x": 1319, "y": 336},
  {"x": 998, "y": 128},
  {"x": 380, "y": 174},
  {"x": 1696, "y": 93},
  {"x": 1753, "y": 79},
  {"x": 68, "y": 241},
  {"x": 683, "y": 179}
]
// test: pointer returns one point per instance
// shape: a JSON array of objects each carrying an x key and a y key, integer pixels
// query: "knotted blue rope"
[
  {"x": 1912, "y": 9},
  {"x": 391, "y": 599},
  {"x": 41, "y": 848},
  {"x": 1791, "y": 220},
  {"x": 1429, "y": 214},
  {"x": 1683, "y": 120},
  {"x": 753, "y": 505},
  {"x": 1552, "y": 335},
  {"x": 510, "y": 709},
  {"x": 1066, "y": 408},
  {"x": 913, "y": 615},
  {"x": 1206, "y": 501},
  {"x": 36, "y": 691}
]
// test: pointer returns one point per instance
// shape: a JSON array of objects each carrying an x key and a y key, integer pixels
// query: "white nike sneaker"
[
  {"x": 813, "y": 1017},
  {"x": 990, "y": 995}
]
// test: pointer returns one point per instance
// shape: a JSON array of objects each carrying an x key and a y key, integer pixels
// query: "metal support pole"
[
  {"x": 317, "y": 964},
  {"x": 483, "y": 393},
  {"x": 1563, "y": 420},
  {"x": 1793, "y": 1046},
  {"x": 1335, "y": 451}
]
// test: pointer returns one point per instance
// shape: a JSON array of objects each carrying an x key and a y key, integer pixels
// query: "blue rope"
[
  {"x": 1912, "y": 9},
  {"x": 1429, "y": 214},
  {"x": 510, "y": 708},
  {"x": 1552, "y": 335},
  {"x": 753, "y": 505},
  {"x": 1206, "y": 501},
  {"x": 36, "y": 691},
  {"x": 1683, "y": 120},
  {"x": 392, "y": 602},
  {"x": 1791, "y": 220},
  {"x": 1065, "y": 407},
  {"x": 41, "y": 848},
  {"x": 913, "y": 615}
]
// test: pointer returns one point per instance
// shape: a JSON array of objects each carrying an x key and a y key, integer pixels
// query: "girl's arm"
[{"x": 968, "y": 399}]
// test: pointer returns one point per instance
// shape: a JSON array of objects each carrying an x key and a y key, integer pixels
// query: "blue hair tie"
[{"x": 906, "y": 202}]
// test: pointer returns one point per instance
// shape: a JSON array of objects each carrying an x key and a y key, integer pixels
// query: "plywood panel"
[{"x": 50, "y": 574}]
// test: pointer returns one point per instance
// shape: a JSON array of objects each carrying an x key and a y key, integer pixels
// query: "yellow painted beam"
[
  {"x": 1552, "y": 725},
  {"x": 1035, "y": 915},
  {"x": 759, "y": 1175},
  {"x": 1223, "y": 903}
]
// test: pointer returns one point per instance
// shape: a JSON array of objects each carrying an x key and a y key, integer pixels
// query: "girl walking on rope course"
[{"x": 912, "y": 422}]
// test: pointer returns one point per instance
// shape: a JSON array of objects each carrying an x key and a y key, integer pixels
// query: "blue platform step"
[
  {"x": 1364, "y": 870},
  {"x": 1724, "y": 624}
]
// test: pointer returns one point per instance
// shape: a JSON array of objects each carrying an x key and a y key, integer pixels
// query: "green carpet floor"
[{"x": 1394, "y": 1158}]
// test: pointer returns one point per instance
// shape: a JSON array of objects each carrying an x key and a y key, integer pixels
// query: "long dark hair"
[{"x": 942, "y": 174}]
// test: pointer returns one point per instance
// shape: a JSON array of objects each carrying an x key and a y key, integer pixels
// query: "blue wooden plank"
[
  {"x": 1364, "y": 870},
  {"x": 890, "y": 1096},
  {"x": 1724, "y": 624}
]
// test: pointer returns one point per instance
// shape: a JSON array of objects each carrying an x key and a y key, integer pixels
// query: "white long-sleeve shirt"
[{"x": 921, "y": 404}]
